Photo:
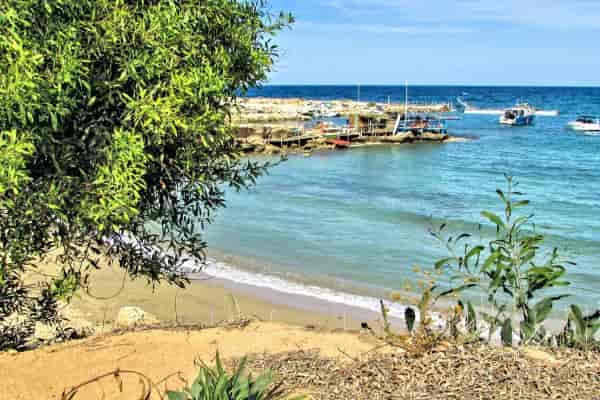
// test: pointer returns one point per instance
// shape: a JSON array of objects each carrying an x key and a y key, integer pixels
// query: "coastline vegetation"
[
  {"x": 519, "y": 286},
  {"x": 113, "y": 117},
  {"x": 215, "y": 383}
]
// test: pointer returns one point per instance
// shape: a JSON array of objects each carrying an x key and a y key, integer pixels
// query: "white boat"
[
  {"x": 586, "y": 123},
  {"x": 519, "y": 115},
  {"x": 466, "y": 108}
]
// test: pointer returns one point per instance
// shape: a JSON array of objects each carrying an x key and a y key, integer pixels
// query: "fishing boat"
[
  {"x": 466, "y": 108},
  {"x": 419, "y": 124},
  {"x": 586, "y": 123},
  {"x": 520, "y": 115}
]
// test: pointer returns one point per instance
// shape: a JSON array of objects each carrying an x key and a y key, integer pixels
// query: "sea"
[{"x": 351, "y": 226}]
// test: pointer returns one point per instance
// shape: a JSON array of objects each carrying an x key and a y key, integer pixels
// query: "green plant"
[
  {"x": 580, "y": 330},
  {"x": 216, "y": 384},
  {"x": 115, "y": 138},
  {"x": 508, "y": 270},
  {"x": 424, "y": 336}
]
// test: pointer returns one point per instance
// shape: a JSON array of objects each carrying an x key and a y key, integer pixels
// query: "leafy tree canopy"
[{"x": 113, "y": 122}]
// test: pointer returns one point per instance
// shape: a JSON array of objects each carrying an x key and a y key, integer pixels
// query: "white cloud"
[
  {"x": 550, "y": 14},
  {"x": 380, "y": 28}
]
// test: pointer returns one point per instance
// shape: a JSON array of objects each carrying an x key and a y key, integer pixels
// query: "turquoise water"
[{"x": 358, "y": 220}]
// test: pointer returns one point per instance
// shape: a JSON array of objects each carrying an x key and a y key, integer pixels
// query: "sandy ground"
[
  {"x": 170, "y": 357},
  {"x": 202, "y": 302},
  {"x": 45, "y": 373}
]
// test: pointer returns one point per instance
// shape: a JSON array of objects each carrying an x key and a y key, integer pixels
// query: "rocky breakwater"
[
  {"x": 411, "y": 137},
  {"x": 258, "y": 144}
]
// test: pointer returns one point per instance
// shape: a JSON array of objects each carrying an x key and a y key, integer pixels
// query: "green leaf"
[
  {"x": 54, "y": 121},
  {"x": 177, "y": 396},
  {"x": 521, "y": 203},
  {"x": 507, "y": 332},
  {"x": 456, "y": 290},
  {"x": 471, "y": 318},
  {"x": 474, "y": 251},
  {"x": 443, "y": 262},
  {"x": 577, "y": 317},
  {"x": 544, "y": 307},
  {"x": 494, "y": 219}
]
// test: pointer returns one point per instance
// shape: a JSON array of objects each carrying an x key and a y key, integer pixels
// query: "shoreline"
[{"x": 209, "y": 299}]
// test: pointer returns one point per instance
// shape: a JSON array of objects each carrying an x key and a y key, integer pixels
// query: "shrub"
[
  {"x": 509, "y": 270},
  {"x": 216, "y": 384},
  {"x": 114, "y": 123},
  {"x": 513, "y": 275}
]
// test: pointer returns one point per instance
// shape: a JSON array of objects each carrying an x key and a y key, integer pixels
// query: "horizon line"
[{"x": 592, "y": 86}]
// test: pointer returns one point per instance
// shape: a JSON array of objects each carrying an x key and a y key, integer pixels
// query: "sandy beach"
[
  {"x": 209, "y": 300},
  {"x": 317, "y": 350}
]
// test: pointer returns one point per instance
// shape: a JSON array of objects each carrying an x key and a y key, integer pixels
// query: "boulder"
[
  {"x": 400, "y": 138},
  {"x": 271, "y": 149},
  {"x": 434, "y": 137},
  {"x": 255, "y": 140},
  {"x": 130, "y": 317}
]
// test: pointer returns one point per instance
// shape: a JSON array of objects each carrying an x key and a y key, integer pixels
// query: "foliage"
[
  {"x": 216, "y": 384},
  {"x": 114, "y": 135},
  {"x": 424, "y": 335},
  {"x": 511, "y": 273},
  {"x": 508, "y": 269},
  {"x": 580, "y": 330}
]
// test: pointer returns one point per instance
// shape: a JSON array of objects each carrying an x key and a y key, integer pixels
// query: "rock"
[
  {"x": 247, "y": 148},
  {"x": 434, "y": 137},
  {"x": 271, "y": 149},
  {"x": 400, "y": 138},
  {"x": 255, "y": 140},
  {"x": 129, "y": 317},
  {"x": 540, "y": 355},
  {"x": 45, "y": 333}
]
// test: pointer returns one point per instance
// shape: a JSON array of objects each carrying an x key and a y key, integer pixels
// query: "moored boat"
[
  {"x": 419, "y": 124},
  {"x": 519, "y": 115},
  {"x": 586, "y": 123}
]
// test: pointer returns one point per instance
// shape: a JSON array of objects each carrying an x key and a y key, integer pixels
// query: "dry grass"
[{"x": 475, "y": 372}]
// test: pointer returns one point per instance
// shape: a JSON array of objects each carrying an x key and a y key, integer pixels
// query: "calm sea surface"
[{"x": 357, "y": 221}]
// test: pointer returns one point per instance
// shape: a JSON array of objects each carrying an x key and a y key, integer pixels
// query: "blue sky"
[{"x": 503, "y": 42}]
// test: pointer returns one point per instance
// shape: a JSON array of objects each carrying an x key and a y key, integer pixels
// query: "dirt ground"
[{"x": 46, "y": 372}]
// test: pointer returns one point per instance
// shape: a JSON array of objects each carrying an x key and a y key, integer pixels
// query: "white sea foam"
[
  {"x": 228, "y": 272},
  {"x": 225, "y": 271}
]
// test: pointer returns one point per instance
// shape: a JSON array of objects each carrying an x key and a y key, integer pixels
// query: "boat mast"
[{"x": 405, "y": 102}]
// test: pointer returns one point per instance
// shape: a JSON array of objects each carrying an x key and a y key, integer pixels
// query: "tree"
[{"x": 114, "y": 136}]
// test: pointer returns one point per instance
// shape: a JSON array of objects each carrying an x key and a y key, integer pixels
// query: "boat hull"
[
  {"x": 577, "y": 126},
  {"x": 518, "y": 121}
]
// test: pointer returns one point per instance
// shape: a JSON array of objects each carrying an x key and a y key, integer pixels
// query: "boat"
[
  {"x": 465, "y": 108},
  {"x": 520, "y": 115},
  {"x": 419, "y": 124},
  {"x": 328, "y": 129},
  {"x": 586, "y": 123}
]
